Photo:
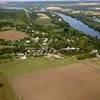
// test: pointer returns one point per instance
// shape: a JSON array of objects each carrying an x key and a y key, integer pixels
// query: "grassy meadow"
[{"x": 33, "y": 64}]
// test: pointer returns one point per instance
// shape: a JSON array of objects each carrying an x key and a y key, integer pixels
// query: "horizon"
[{"x": 42, "y": 0}]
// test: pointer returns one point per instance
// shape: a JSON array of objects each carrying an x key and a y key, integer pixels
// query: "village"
[{"x": 49, "y": 49}]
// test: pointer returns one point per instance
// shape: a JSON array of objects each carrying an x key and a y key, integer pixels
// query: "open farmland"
[
  {"x": 43, "y": 19},
  {"x": 80, "y": 81},
  {"x": 12, "y": 35},
  {"x": 12, "y": 15},
  {"x": 6, "y": 92},
  {"x": 32, "y": 65}
]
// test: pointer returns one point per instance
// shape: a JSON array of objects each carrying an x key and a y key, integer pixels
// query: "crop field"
[
  {"x": 14, "y": 16},
  {"x": 15, "y": 21},
  {"x": 33, "y": 65},
  {"x": 43, "y": 19},
  {"x": 6, "y": 92},
  {"x": 12, "y": 35},
  {"x": 78, "y": 81}
]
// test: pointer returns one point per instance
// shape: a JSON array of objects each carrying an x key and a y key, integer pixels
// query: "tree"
[{"x": 84, "y": 44}]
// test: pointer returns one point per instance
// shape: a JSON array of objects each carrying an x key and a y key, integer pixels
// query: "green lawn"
[
  {"x": 33, "y": 64},
  {"x": 6, "y": 92}
]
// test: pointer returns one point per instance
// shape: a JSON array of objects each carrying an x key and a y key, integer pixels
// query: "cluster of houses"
[
  {"x": 48, "y": 52},
  {"x": 44, "y": 50}
]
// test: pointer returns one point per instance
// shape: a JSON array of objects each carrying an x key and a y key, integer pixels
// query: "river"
[
  {"x": 73, "y": 22},
  {"x": 80, "y": 26}
]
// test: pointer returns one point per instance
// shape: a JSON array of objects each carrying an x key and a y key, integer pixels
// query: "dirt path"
[{"x": 73, "y": 82}]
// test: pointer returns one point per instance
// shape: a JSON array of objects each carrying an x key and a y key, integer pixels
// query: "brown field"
[
  {"x": 80, "y": 81},
  {"x": 12, "y": 35}
]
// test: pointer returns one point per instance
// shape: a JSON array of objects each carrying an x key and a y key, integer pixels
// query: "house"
[
  {"x": 27, "y": 41},
  {"x": 94, "y": 51},
  {"x": 33, "y": 31},
  {"x": 59, "y": 19},
  {"x": 23, "y": 57}
]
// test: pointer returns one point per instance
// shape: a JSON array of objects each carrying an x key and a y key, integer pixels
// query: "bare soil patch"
[
  {"x": 72, "y": 82},
  {"x": 12, "y": 35}
]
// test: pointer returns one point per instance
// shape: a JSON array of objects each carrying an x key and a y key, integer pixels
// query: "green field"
[
  {"x": 33, "y": 64},
  {"x": 15, "y": 21},
  {"x": 6, "y": 92},
  {"x": 14, "y": 16},
  {"x": 44, "y": 20}
]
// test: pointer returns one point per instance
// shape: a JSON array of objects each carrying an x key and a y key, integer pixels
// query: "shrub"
[{"x": 84, "y": 56}]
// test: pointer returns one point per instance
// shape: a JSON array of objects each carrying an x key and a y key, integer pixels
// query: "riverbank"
[
  {"x": 83, "y": 18},
  {"x": 80, "y": 26}
]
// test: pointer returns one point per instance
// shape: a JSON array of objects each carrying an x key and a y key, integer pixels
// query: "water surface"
[{"x": 80, "y": 26}]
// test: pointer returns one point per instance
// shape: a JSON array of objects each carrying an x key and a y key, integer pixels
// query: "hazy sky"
[
  {"x": 38, "y": 0},
  {"x": 45, "y": 0}
]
